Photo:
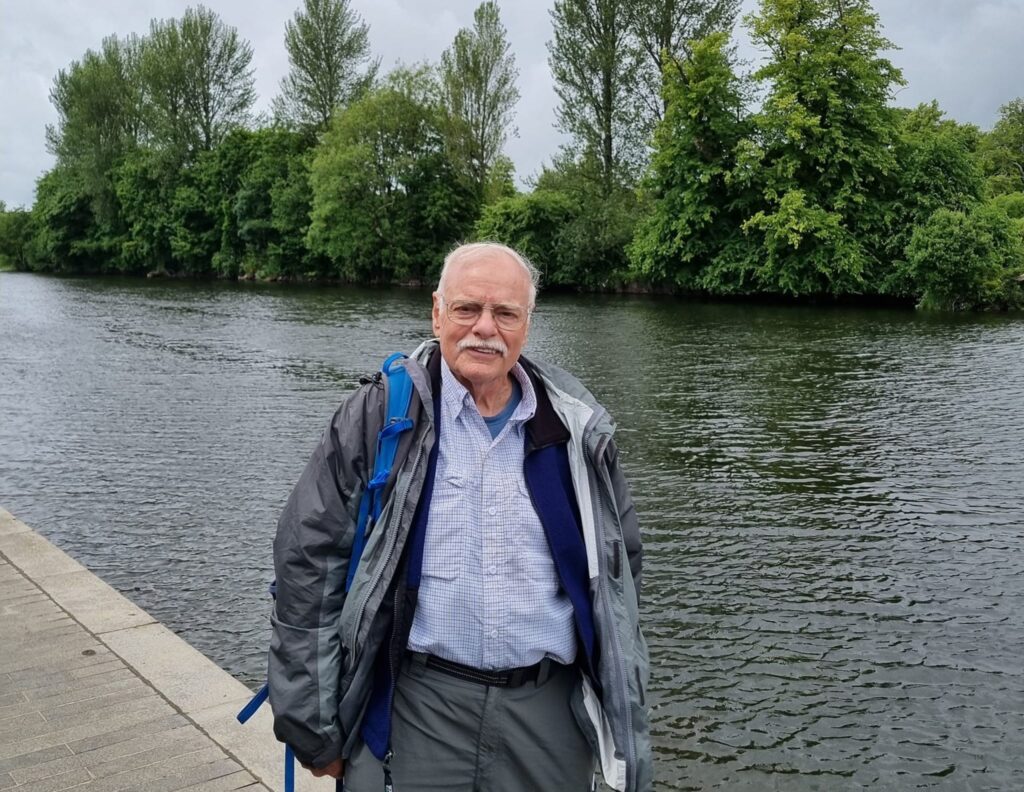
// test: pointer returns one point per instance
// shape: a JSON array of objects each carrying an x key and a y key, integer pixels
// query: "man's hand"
[{"x": 335, "y": 769}]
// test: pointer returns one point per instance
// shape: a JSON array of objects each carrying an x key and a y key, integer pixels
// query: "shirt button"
[
  {"x": 492, "y": 511},
  {"x": 494, "y": 633},
  {"x": 493, "y": 570}
]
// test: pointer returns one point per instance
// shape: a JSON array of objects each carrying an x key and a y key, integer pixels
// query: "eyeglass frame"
[{"x": 484, "y": 306}]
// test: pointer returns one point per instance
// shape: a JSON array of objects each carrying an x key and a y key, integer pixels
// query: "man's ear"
[{"x": 435, "y": 314}]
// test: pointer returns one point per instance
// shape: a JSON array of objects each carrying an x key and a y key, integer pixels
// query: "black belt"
[{"x": 511, "y": 678}]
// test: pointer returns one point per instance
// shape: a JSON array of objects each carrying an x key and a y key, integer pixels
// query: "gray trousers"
[{"x": 458, "y": 736}]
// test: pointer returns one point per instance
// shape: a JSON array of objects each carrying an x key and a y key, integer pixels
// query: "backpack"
[{"x": 396, "y": 421}]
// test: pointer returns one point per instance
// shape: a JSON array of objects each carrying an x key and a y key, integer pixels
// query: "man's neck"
[{"x": 490, "y": 400}]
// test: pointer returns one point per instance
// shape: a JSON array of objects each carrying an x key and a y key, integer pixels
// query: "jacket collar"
[{"x": 544, "y": 429}]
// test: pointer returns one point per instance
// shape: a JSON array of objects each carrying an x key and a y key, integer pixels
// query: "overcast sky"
[{"x": 968, "y": 54}]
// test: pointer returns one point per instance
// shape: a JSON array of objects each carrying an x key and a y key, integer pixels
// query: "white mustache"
[{"x": 494, "y": 346}]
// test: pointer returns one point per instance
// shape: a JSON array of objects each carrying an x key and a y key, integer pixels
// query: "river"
[{"x": 832, "y": 499}]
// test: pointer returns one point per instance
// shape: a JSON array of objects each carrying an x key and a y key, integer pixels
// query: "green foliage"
[
  {"x": 199, "y": 81},
  {"x": 533, "y": 224},
  {"x": 1012, "y": 204},
  {"x": 592, "y": 245},
  {"x": 694, "y": 201},
  {"x": 666, "y": 31},
  {"x": 968, "y": 261},
  {"x": 824, "y": 143},
  {"x": 936, "y": 169},
  {"x": 386, "y": 200},
  {"x": 478, "y": 92},
  {"x": 330, "y": 65},
  {"x": 99, "y": 103},
  {"x": 1002, "y": 152},
  {"x": 67, "y": 236},
  {"x": 16, "y": 233},
  {"x": 596, "y": 64},
  {"x": 823, "y": 190},
  {"x": 145, "y": 186}
]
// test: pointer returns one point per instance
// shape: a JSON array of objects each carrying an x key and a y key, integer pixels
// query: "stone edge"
[{"x": 193, "y": 684}]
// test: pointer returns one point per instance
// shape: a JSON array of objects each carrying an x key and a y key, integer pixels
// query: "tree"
[
  {"x": 1003, "y": 150},
  {"x": 596, "y": 63},
  {"x": 199, "y": 80},
  {"x": 665, "y": 31},
  {"x": 936, "y": 168},
  {"x": 329, "y": 54},
  {"x": 479, "y": 94},
  {"x": 100, "y": 110},
  {"x": 967, "y": 261},
  {"x": 386, "y": 200},
  {"x": 16, "y": 231},
  {"x": 824, "y": 143},
  {"x": 697, "y": 208},
  {"x": 65, "y": 226},
  {"x": 533, "y": 225}
]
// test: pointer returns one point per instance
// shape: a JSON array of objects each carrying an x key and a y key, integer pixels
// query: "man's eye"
[
  {"x": 506, "y": 313},
  {"x": 466, "y": 310}
]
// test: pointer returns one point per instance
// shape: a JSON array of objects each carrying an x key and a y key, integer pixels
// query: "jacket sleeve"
[
  {"x": 311, "y": 557},
  {"x": 627, "y": 516}
]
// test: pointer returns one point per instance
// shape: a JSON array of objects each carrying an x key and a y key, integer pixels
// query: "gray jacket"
[{"x": 324, "y": 642}]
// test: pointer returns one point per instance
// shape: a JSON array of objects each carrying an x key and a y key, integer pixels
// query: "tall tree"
[
  {"x": 479, "y": 93},
  {"x": 596, "y": 63},
  {"x": 666, "y": 31},
  {"x": 825, "y": 143},
  {"x": 329, "y": 52},
  {"x": 199, "y": 76},
  {"x": 696, "y": 214},
  {"x": 386, "y": 200},
  {"x": 99, "y": 103}
]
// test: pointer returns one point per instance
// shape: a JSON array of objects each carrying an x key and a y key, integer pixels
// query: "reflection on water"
[{"x": 831, "y": 499}]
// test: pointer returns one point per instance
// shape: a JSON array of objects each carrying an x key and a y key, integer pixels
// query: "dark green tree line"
[{"x": 680, "y": 172}]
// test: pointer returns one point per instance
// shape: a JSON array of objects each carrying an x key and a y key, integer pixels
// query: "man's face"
[{"x": 491, "y": 278}]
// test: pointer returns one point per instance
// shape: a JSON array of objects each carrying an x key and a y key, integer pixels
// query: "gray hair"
[{"x": 469, "y": 250}]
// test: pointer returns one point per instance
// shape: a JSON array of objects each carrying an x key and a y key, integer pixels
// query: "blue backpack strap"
[{"x": 396, "y": 421}]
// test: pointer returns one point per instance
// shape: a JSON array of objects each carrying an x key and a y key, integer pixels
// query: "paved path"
[{"x": 97, "y": 696}]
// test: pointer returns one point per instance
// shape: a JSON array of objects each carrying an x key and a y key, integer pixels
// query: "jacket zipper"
[{"x": 392, "y": 541}]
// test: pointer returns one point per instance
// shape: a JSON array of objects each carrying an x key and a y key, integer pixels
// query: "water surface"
[{"x": 831, "y": 499}]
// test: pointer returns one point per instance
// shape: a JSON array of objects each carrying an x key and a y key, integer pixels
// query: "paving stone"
[
  {"x": 87, "y": 704},
  {"x": 34, "y": 758},
  {"x": 14, "y": 712},
  {"x": 51, "y": 702},
  {"x": 57, "y": 783},
  {"x": 228, "y": 783},
  {"x": 156, "y": 726},
  {"x": 192, "y": 776},
  {"x": 8, "y": 699},
  {"x": 35, "y": 556},
  {"x": 82, "y": 731},
  {"x": 99, "y": 607},
  {"x": 192, "y": 741},
  {"x": 45, "y": 681},
  {"x": 179, "y": 770}
]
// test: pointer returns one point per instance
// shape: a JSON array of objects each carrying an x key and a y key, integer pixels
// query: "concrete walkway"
[{"x": 97, "y": 696}]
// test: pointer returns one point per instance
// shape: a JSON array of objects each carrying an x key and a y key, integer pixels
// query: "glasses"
[{"x": 468, "y": 312}]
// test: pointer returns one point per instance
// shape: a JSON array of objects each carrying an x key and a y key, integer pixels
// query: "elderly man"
[{"x": 490, "y": 638}]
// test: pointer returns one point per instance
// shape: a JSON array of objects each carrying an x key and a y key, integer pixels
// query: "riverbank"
[{"x": 96, "y": 694}]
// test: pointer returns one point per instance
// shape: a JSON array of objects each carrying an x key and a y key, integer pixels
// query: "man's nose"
[{"x": 485, "y": 325}]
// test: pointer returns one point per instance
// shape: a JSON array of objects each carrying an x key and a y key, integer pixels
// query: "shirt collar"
[{"x": 456, "y": 397}]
